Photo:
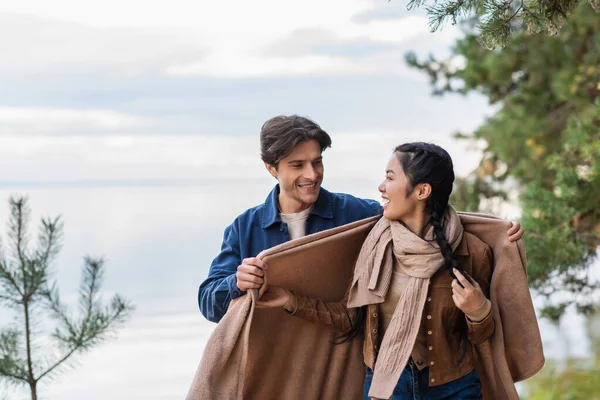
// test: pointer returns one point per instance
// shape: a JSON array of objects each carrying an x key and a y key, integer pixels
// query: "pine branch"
[
  {"x": 49, "y": 240},
  {"x": 58, "y": 311},
  {"x": 94, "y": 322},
  {"x": 11, "y": 367},
  {"x": 507, "y": 16},
  {"x": 8, "y": 281},
  {"x": 57, "y": 363},
  {"x": 19, "y": 218}
]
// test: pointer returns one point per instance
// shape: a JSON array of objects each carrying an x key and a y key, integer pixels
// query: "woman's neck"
[{"x": 417, "y": 222}]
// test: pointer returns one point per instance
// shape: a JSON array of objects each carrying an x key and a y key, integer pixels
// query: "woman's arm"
[{"x": 334, "y": 313}]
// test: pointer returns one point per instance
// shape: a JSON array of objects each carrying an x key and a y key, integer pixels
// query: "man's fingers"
[
  {"x": 248, "y": 285},
  {"x": 515, "y": 232},
  {"x": 256, "y": 262},
  {"x": 516, "y": 236},
  {"x": 514, "y": 228},
  {"x": 245, "y": 277},
  {"x": 251, "y": 269}
]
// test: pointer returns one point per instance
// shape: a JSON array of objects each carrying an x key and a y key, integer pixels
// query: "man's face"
[{"x": 300, "y": 175}]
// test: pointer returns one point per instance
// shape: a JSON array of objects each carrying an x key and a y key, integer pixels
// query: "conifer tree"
[
  {"x": 28, "y": 289},
  {"x": 542, "y": 142}
]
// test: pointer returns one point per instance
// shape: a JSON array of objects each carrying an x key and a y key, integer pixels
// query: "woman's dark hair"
[
  {"x": 279, "y": 136},
  {"x": 428, "y": 163}
]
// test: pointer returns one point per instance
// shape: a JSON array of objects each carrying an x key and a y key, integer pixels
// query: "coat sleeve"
[{"x": 480, "y": 331}]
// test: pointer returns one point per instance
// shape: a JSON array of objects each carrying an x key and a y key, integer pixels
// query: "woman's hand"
[
  {"x": 469, "y": 297},
  {"x": 274, "y": 297}
]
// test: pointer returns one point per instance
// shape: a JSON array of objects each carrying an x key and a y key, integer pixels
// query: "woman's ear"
[{"x": 423, "y": 191}]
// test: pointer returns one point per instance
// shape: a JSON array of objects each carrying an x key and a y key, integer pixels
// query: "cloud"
[
  {"x": 229, "y": 65},
  {"x": 309, "y": 52},
  {"x": 185, "y": 38},
  {"x": 57, "y": 120},
  {"x": 33, "y": 43}
]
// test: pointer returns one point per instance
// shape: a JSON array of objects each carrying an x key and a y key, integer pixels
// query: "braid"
[
  {"x": 457, "y": 322},
  {"x": 437, "y": 220}
]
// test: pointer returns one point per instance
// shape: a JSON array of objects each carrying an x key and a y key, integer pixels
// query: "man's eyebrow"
[{"x": 389, "y": 171}]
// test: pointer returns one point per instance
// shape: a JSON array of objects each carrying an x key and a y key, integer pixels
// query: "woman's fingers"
[{"x": 462, "y": 279}]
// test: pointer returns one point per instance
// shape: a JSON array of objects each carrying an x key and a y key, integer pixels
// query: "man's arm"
[{"x": 217, "y": 291}]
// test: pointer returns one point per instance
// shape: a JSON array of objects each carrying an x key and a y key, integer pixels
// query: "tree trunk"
[
  {"x": 30, "y": 378},
  {"x": 33, "y": 387}
]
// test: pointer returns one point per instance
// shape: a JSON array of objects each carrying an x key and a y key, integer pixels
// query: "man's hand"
[
  {"x": 250, "y": 274},
  {"x": 515, "y": 232},
  {"x": 274, "y": 297}
]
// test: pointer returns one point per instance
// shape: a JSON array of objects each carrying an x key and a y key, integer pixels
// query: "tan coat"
[
  {"x": 268, "y": 354},
  {"x": 447, "y": 361}
]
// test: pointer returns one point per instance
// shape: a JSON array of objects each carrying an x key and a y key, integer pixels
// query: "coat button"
[
  {"x": 374, "y": 330},
  {"x": 429, "y": 299},
  {"x": 429, "y": 332},
  {"x": 432, "y": 380},
  {"x": 430, "y": 348},
  {"x": 374, "y": 315},
  {"x": 429, "y": 317},
  {"x": 431, "y": 363}
]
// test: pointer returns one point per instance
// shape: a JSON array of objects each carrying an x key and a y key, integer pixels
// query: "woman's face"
[{"x": 397, "y": 204}]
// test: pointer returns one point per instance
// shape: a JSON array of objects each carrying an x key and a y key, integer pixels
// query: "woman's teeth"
[{"x": 311, "y": 185}]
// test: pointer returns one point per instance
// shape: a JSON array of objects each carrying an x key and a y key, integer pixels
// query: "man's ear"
[
  {"x": 272, "y": 170},
  {"x": 423, "y": 191}
]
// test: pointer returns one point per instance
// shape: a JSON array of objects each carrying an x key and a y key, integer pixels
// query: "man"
[{"x": 291, "y": 148}]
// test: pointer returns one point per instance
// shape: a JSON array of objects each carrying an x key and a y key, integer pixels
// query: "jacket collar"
[
  {"x": 323, "y": 207},
  {"x": 463, "y": 247}
]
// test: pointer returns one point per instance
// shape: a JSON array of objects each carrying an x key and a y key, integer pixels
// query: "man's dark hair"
[{"x": 279, "y": 136}]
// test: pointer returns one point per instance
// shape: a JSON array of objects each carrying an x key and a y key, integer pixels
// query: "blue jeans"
[{"x": 414, "y": 385}]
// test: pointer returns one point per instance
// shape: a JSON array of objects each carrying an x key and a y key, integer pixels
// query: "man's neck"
[{"x": 291, "y": 206}]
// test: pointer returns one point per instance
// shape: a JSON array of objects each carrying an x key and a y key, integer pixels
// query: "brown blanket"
[
  {"x": 514, "y": 353},
  {"x": 267, "y": 354}
]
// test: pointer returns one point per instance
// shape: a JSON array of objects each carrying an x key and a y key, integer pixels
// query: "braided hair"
[
  {"x": 431, "y": 164},
  {"x": 428, "y": 163}
]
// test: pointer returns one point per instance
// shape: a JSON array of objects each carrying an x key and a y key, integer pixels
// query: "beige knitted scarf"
[{"x": 420, "y": 258}]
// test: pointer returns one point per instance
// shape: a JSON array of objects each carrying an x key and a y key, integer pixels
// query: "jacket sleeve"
[
  {"x": 480, "y": 331},
  {"x": 334, "y": 313},
  {"x": 217, "y": 291}
]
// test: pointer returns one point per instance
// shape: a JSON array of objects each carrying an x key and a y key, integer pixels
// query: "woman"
[{"x": 420, "y": 288}]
